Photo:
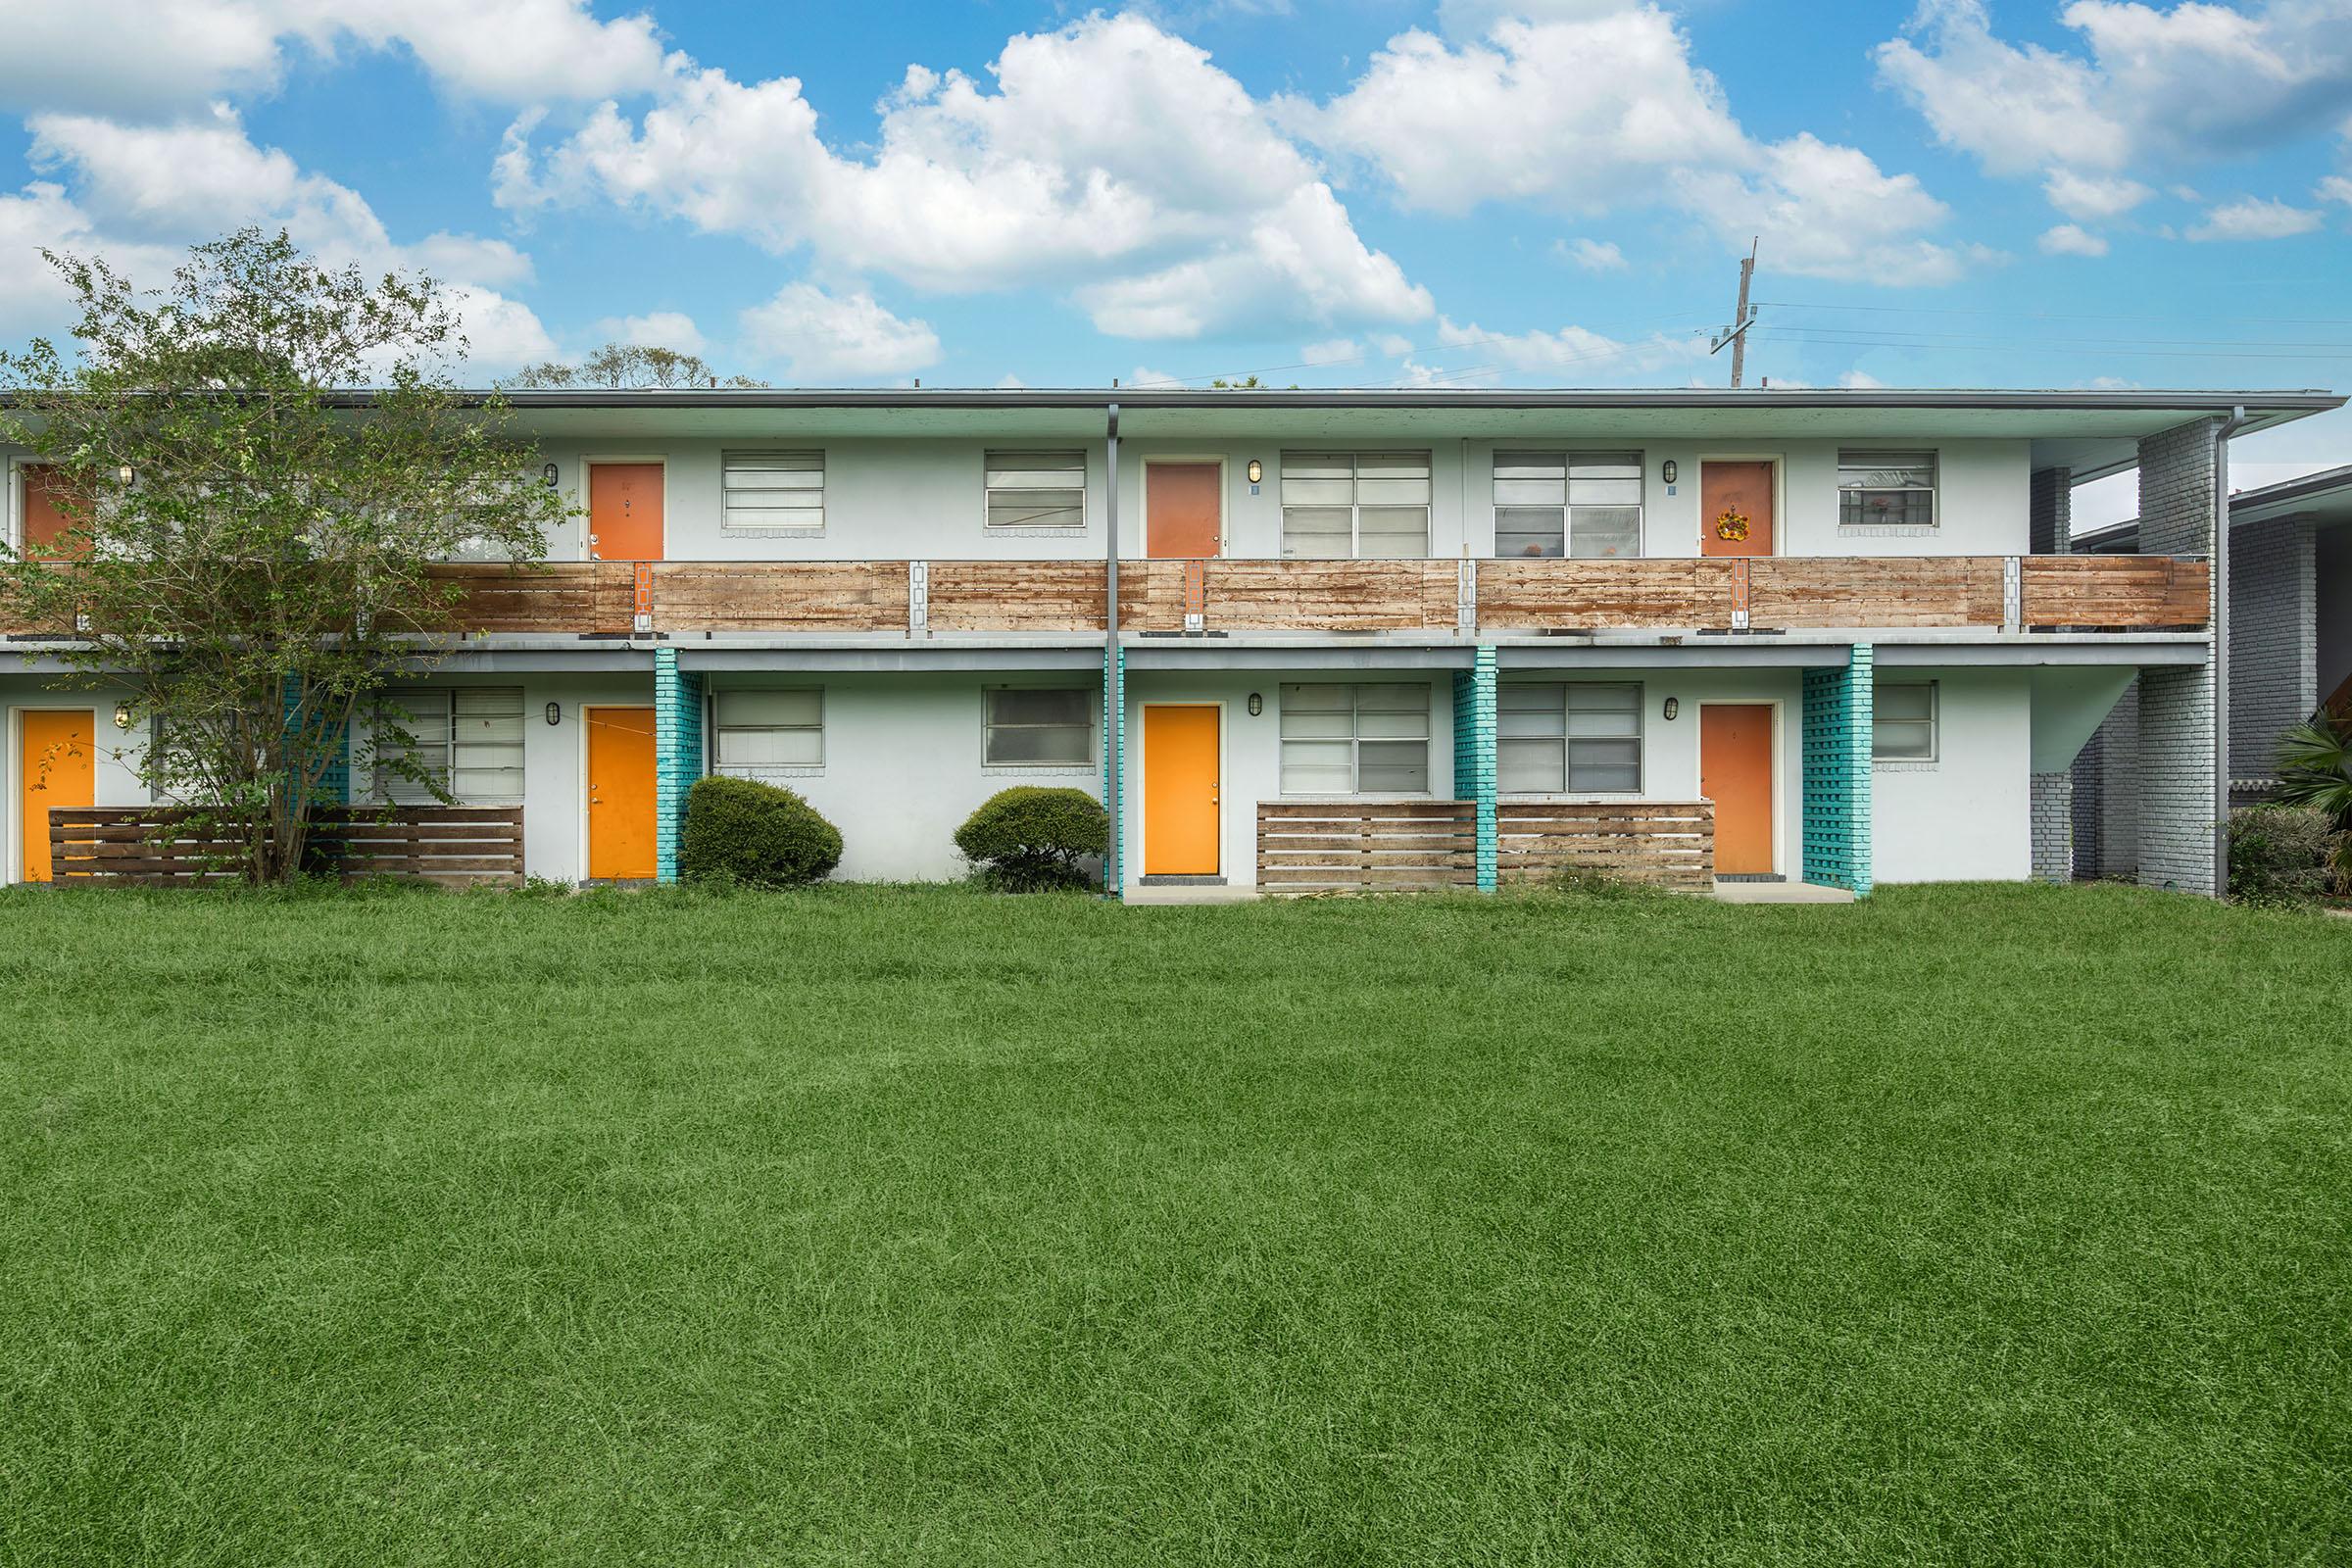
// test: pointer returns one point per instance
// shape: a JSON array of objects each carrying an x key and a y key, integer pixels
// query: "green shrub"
[
  {"x": 739, "y": 830},
  {"x": 1030, "y": 839},
  {"x": 2282, "y": 854}
]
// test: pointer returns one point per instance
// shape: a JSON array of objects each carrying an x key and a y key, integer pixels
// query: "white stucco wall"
[{"x": 1967, "y": 817}]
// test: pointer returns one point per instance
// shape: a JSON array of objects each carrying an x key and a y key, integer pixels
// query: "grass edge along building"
[{"x": 1324, "y": 639}]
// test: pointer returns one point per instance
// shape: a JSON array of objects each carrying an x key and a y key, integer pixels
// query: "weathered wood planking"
[
  {"x": 1561, "y": 595},
  {"x": 1284, "y": 595},
  {"x": 1040, "y": 596},
  {"x": 2133, "y": 592},
  {"x": 1669, "y": 844},
  {"x": 1815, "y": 591},
  {"x": 162, "y": 846},
  {"x": 1366, "y": 846},
  {"x": 560, "y": 596},
  {"x": 780, "y": 596}
]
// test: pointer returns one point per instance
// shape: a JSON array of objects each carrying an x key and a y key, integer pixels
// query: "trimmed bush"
[
  {"x": 2282, "y": 854},
  {"x": 740, "y": 830},
  {"x": 1031, "y": 839}
]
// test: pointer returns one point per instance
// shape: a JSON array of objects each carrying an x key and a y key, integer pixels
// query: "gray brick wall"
[
  {"x": 2053, "y": 827},
  {"x": 2273, "y": 653},
  {"x": 2176, "y": 807},
  {"x": 2050, "y": 511},
  {"x": 2107, "y": 794}
]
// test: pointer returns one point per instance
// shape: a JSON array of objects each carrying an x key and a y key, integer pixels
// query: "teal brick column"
[
  {"x": 334, "y": 780},
  {"x": 1838, "y": 740},
  {"x": 1474, "y": 773},
  {"x": 1115, "y": 769},
  {"x": 678, "y": 755}
]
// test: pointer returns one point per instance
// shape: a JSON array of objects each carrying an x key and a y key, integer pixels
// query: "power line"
[{"x": 2050, "y": 316}]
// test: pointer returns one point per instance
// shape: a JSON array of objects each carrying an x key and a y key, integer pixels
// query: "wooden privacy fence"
[
  {"x": 1668, "y": 844},
  {"x": 167, "y": 845},
  {"x": 1366, "y": 846}
]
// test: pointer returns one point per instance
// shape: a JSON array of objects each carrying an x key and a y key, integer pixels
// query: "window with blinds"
[
  {"x": 1349, "y": 505},
  {"x": 1574, "y": 738},
  {"x": 770, "y": 490},
  {"x": 1896, "y": 488},
  {"x": 753, "y": 732},
  {"x": 1032, "y": 727},
  {"x": 1355, "y": 739},
  {"x": 466, "y": 739},
  {"x": 1036, "y": 490},
  {"x": 1902, "y": 721},
  {"x": 1582, "y": 504}
]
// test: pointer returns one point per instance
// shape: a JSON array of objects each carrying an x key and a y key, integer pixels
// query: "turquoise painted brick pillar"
[
  {"x": 1474, "y": 772},
  {"x": 1115, "y": 769},
  {"x": 1838, "y": 740},
  {"x": 334, "y": 780},
  {"x": 678, "y": 755}
]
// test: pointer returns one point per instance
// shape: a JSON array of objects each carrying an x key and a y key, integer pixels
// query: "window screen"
[
  {"x": 1036, "y": 489},
  {"x": 759, "y": 729},
  {"x": 467, "y": 738},
  {"x": 1903, "y": 722},
  {"x": 1355, "y": 740},
  {"x": 1045, "y": 729},
  {"x": 1342, "y": 505},
  {"x": 1887, "y": 487},
  {"x": 1582, "y": 503},
  {"x": 1579, "y": 737},
  {"x": 773, "y": 490}
]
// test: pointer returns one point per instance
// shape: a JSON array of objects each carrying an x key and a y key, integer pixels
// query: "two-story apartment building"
[{"x": 1299, "y": 639}]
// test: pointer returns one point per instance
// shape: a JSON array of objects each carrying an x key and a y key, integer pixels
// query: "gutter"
[{"x": 1114, "y": 674}]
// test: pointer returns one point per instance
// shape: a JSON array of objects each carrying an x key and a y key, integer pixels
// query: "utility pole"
[{"x": 1743, "y": 317}]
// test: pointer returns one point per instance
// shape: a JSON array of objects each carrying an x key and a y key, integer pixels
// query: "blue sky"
[{"x": 1456, "y": 193}]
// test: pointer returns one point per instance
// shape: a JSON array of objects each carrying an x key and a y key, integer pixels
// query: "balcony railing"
[{"x": 1428, "y": 597}]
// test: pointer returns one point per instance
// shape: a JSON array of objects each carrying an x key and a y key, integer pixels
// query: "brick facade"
[
  {"x": 678, "y": 755},
  {"x": 2179, "y": 705},
  {"x": 1115, "y": 769},
  {"x": 1838, "y": 774},
  {"x": 2273, "y": 639},
  {"x": 1475, "y": 776},
  {"x": 2053, "y": 827},
  {"x": 2050, "y": 511}
]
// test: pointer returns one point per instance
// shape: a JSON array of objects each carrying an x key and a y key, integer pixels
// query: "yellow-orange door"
[
  {"x": 1735, "y": 772},
  {"x": 1180, "y": 786},
  {"x": 624, "y": 510},
  {"x": 1735, "y": 509},
  {"x": 620, "y": 793},
  {"x": 54, "y": 767}
]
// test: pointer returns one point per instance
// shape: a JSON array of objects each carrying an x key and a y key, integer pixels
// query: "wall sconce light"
[
  {"x": 1668, "y": 472},
  {"x": 127, "y": 473},
  {"x": 547, "y": 476},
  {"x": 1673, "y": 708},
  {"x": 554, "y": 712},
  {"x": 1257, "y": 704},
  {"x": 1258, "y": 470},
  {"x": 122, "y": 715}
]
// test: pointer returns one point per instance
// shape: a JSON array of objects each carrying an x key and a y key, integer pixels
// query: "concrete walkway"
[{"x": 1780, "y": 893}]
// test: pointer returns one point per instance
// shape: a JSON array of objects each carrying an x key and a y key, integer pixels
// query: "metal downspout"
[
  {"x": 2222, "y": 433},
  {"x": 1114, "y": 675}
]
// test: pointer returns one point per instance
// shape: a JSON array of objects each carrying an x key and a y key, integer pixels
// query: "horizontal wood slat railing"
[
  {"x": 1366, "y": 846},
  {"x": 1668, "y": 844},
  {"x": 165, "y": 846},
  {"x": 1434, "y": 597}
]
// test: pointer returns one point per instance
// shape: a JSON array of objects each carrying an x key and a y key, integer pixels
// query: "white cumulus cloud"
[
  {"x": 822, "y": 337},
  {"x": 2071, "y": 239},
  {"x": 2255, "y": 218}
]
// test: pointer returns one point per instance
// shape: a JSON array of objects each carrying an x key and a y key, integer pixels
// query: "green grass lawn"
[{"x": 1975, "y": 1225}]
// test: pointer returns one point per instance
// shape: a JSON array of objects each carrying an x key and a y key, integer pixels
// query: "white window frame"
[
  {"x": 988, "y": 727},
  {"x": 1356, "y": 739},
  {"x": 1933, "y": 722},
  {"x": 763, "y": 771},
  {"x": 1356, "y": 502},
  {"x": 773, "y": 459},
  {"x": 1851, "y": 458},
  {"x": 994, "y": 458},
  {"x": 1568, "y": 505},
  {"x": 450, "y": 744},
  {"x": 1567, "y": 739}
]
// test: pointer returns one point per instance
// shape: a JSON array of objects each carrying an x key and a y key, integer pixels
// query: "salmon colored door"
[
  {"x": 54, "y": 767},
  {"x": 1742, "y": 488},
  {"x": 624, "y": 510},
  {"x": 42, "y": 494},
  {"x": 1183, "y": 511},
  {"x": 620, "y": 793},
  {"x": 1735, "y": 772},
  {"x": 1180, "y": 786}
]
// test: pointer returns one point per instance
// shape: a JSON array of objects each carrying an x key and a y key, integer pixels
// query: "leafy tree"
[
  {"x": 244, "y": 548},
  {"x": 625, "y": 366}
]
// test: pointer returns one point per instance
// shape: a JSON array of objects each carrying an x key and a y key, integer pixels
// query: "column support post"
[{"x": 678, "y": 755}]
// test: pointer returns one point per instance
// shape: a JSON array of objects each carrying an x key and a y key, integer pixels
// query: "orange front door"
[
  {"x": 1180, "y": 786},
  {"x": 1183, "y": 511},
  {"x": 620, "y": 793},
  {"x": 624, "y": 510},
  {"x": 54, "y": 767},
  {"x": 44, "y": 496},
  {"x": 1730, "y": 494},
  {"x": 1735, "y": 772}
]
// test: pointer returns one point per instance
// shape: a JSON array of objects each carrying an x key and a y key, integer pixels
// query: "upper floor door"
[
  {"x": 1735, "y": 508},
  {"x": 1184, "y": 509},
  {"x": 624, "y": 510}
]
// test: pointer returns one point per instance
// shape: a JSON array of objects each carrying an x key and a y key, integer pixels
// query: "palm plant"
[{"x": 2315, "y": 769}]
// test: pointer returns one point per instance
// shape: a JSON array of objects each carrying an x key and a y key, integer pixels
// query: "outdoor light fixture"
[
  {"x": 554, "y": 712},
  {"x": 122, "y": 715},
  {"x": 548, "y": 474},
  {"x": 1258, "y": 470},
  {"x": 125, "y": 474},
  {"x": 1668, "y": 472},
  {"x": 1673, "y": 708},
  {"x": 1257, "y": 704}
]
